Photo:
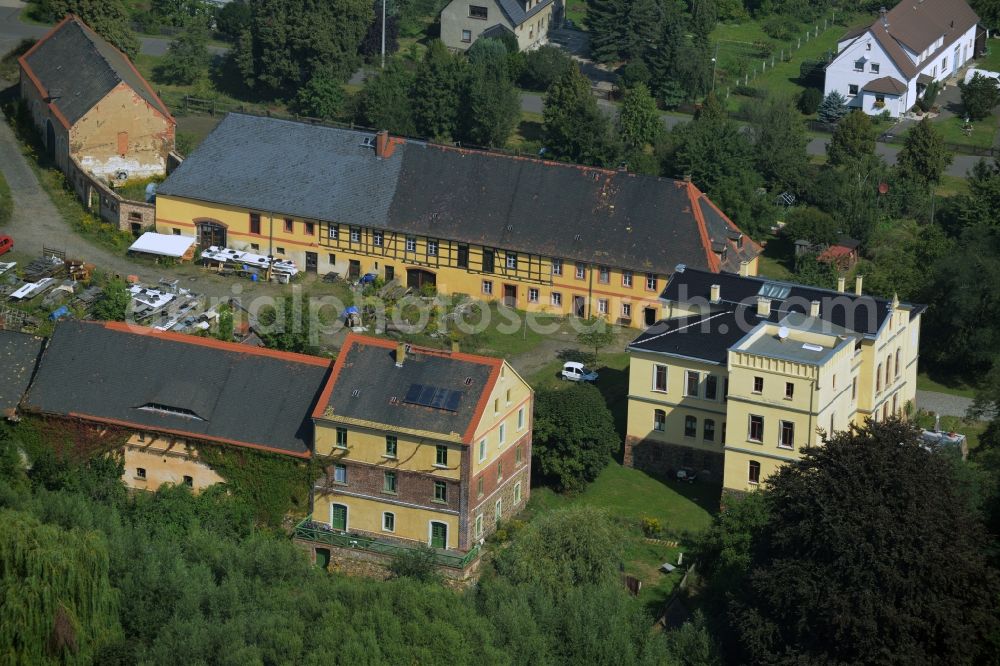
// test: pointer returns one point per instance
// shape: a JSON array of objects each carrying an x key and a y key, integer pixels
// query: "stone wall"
[
  {"x": 97, "y": 197},
  {"x": 355, "y": 562},
  {"x": 664, "y": 459}
]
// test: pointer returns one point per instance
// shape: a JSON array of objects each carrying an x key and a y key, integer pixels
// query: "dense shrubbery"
[{"x": 169, "y": 577}]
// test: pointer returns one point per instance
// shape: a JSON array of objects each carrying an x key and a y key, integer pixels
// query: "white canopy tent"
[{"x": 164, "y": 245}]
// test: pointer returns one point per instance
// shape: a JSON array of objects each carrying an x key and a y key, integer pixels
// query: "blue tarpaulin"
[
  {"x": 351, "y": 310},
  {"x": 368, "y": 277}
]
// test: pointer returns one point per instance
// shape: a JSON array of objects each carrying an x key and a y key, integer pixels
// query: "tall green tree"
[
  {"x": 853, "y": 139},
  {"x": 493, "y": 106},
  {"x": 607, "y": 22},
  {"x": 979, "y": 96},
  {"x": 108, "y": 18},
  {"x": 288, "y": 41},
  {"x": 666, "y": 62},
  {"x": 711, "y": 149},
  {"x": 923, "y": 157},
  {"x": 832, "y": 108},
  {"x": 321, "y": 97},
  {"x": 574, "y": 435},
  {"x": 641, "y": 30},
  {"x": 779, "y": 140},
  {"x": 59, "y": 606},
  {"x": 187, "y": 58},
  {"x": 848, "y": 572},
  {"x": 386, "y": 101},
  {"x": 575, "y": 128},
  {"x": 639, "y": 122},
  {"x": 437, "y": 98}
]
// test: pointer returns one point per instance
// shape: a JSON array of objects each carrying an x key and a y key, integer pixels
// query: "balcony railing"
[{"x": 320, "y": 533}]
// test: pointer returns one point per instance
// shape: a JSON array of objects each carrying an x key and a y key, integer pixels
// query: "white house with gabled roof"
[{"x": 888, "y": 65}]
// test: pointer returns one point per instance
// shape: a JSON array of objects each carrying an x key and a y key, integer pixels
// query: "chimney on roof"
[
  {"x": 687, "y": 178},
  {"x": 885, "y": 18},
  {"x": 715, "y": 293},
  {"x": 858, "y": 282},
  {"x": 763, "y": 306},
  {"x": 400, "y": 354},
  {"x": 814, "y": 309},
  {"x": 744, "y": 269},
  {"x": 455, "y": 347},
  {"x": 382, "y": 144},
  {"x": 841, "y": 284}
]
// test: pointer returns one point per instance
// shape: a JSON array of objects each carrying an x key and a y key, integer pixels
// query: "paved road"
[
  {"x": 13, "y": 30},
  {"x": 944, "y": 404}
]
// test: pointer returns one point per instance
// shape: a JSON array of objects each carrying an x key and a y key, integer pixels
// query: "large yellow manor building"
[
  {"x": 536, "y": 235},
  {"x": 743, "y": 372}
]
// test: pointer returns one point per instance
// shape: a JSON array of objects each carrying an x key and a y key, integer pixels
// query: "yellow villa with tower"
[
  {"x": 743, "y": 372},
  {"x": 536, "y": 235}
]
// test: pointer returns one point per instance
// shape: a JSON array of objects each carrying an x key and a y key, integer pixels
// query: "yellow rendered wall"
[
  {"x": 367, "y": 445},
  {"x": 510, "y": 395},
  {"x": 534, "y": 278},
  {"x": 644, "y": 400},
  {"x": 94, "y": 138},
  {"x": 165, "y": 461},
  {"x": 737, "y": 470},
  {"x": 365, "y": 515}
]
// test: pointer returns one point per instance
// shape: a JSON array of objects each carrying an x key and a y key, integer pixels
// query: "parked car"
[
  {"x": 576, "y": 372},
  {"x": 6, "y": 244}
]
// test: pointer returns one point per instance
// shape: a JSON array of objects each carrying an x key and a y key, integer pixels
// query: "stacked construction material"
[{"x": 247, "y": 262}]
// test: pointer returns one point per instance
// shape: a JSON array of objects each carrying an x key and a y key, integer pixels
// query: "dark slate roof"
[
  {"x": 232, "y": 393},
  {"x": 75, "y": 62},
  {"x": 706, "y": 338},
  {"x": 741, "y": 292},
  {"x": 246, "y": 162},
  {"x": 367, "y": 366},
  {"x": 514, "y": 10},
  {"x": 18, "y": 357},
  {"x": 512, "y": 203},
  {"x": 708, "y": 335}
]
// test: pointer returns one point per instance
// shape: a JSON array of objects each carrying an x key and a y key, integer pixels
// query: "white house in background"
[
  {"x": 465, "y": 21},
  {"x": 888, "y": 65}
]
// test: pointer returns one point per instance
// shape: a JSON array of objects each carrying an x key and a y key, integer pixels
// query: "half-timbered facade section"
[{"x": 535, "y": 235}]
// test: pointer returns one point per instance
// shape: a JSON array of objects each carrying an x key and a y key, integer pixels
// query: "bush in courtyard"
[
  {"x": 979, "y": 96},
  {"x": 651, "y": 527},
  {"x": 809, "y": 100},
  {"x": 416, "y": 563}
]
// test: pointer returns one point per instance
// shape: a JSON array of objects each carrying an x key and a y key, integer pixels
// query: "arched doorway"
[
  {"x": 210, "y": 233},
  {"x": 418, "y": 277},
  {"x": 50, "y": 139}
]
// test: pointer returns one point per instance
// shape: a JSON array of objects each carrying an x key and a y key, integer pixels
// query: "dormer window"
[{"x": 169, "y": 409}]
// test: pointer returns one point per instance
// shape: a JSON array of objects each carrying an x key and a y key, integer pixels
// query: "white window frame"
[
  {"x": 651, "y": 282},
  {"x": 581, "y": 271},
  {"x": 482, "y": 449},
  {"x": 662, "y": 423},
  {"x": 502, "y": 434},
  {"x": 411, "y": 244},
  {"x": 498, "y": 511},
  {"x": 557, "y": 266},
  {"x": 532, "y": 294},
  {"x": 517, "y": 493},
  {"x": 355, "y": 234},
  {"x": 750, "y": 418},
  {"x": 626, "y": 278},
  {"x": 688, "y": 374},
  {"x": 602, "y": 306},
  {"x": 333, "y": 231},
  {"x": 666, "y": 377},
  {"x": 781, "y": 433},
  {"x": 432, "y": 248},
  {"x": 338, "y": 467},
  {"x": 556, "y": 299},
  {"x": 520, "y": 419},
  {"x": 511, "y": 260},
  {"x": 488, "y": 287}
]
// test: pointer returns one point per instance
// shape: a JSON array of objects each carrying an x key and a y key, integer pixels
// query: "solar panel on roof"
[
  {"x": 413, "y": 393},
  {"x": 433, "y": 396}
]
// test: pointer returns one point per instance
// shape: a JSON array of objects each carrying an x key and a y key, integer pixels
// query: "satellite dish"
[{"x": 783, "y": 333}]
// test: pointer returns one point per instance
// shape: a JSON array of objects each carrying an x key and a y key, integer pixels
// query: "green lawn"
[
  {"x": 991, "y": 61},
  {"x": 777, "y": 259},
  {"x": 950, "y": 385},
  {"x": 951, "y": 186},
  {"x": 576, "y": 11},
  {"x": 612, "y": 366},
  {"x": 527, "y": 138},
  {"x": 981, "y": 136},
  {"x": 630, "y": 495},
  {"x": 6, "y": 202},
  {"x": 783, "y": 78}
]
